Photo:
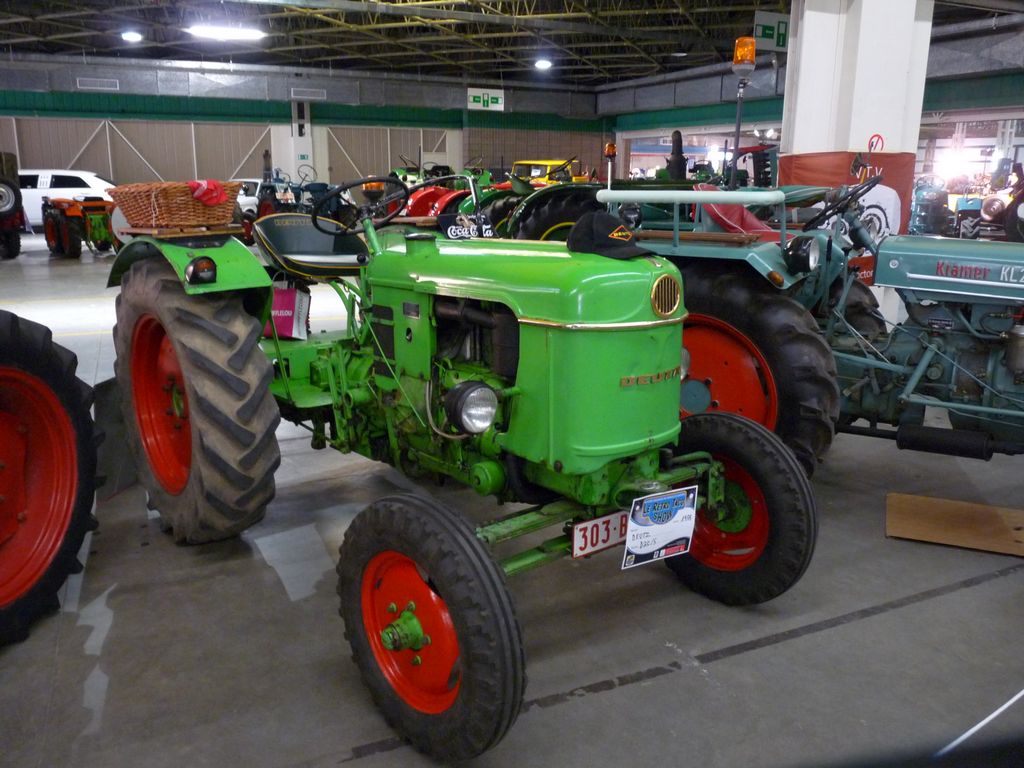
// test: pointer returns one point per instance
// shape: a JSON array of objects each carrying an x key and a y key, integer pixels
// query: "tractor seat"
[
  {"x": 290, "y": 242},
  {"x": 316, "y": 189},
  {"x": 732, "y": 217}
]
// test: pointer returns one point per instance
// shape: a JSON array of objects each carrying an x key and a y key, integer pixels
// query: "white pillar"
[
  {"x": 856, "y": 68},
  {"x": 856, "y": 72}
]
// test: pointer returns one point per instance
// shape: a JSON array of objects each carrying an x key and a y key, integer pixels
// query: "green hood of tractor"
[
  {"x": 537, "y": 280},
  {"x": 599, "y": 368}
]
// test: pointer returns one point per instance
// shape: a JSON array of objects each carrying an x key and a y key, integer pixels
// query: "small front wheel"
[
  {"x": 431, "y": 626},
  {"x": 760, "y": 541}
]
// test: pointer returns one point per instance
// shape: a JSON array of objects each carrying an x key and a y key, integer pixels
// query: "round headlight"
[
  {"x": 471, "y": 406},
  {"x": 803, "y": 254}
]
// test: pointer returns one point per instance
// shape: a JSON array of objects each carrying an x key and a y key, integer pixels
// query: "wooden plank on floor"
[{"x": 957, "y": 523}]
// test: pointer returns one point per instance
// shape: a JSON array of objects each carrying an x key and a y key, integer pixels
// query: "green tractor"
[{"x": 544, "y": 374}]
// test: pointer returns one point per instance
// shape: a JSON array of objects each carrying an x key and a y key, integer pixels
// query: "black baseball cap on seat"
[{"x": 601, "y": 233}]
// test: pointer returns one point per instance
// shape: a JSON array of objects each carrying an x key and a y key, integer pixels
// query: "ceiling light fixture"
[
  {"x": 679, "y": 54},
  {"x": 224, "y": 34},
  {"x": 131, "y": 36},
  {"x": 542, "y": 64}
]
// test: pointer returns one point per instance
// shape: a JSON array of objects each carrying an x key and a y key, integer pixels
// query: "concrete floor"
[{"x": 232, "y": 654}]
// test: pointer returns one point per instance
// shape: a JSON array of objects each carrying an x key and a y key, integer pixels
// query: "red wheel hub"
[
  {"x": 38, "y": 480},
  {"x": 732, "y": 368},
  {"x": 735, "y": 542},
  {"x": 161, "y": 405},
  {"x": 426, "y": 679}
]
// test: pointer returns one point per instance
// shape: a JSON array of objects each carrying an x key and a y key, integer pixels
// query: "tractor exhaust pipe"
[{"x": 948, "y": 442}]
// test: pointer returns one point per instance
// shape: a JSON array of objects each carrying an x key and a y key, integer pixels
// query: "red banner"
[{"x": 833, "y": 169}]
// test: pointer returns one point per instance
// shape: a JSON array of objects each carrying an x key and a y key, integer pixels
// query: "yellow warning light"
[
  {"x": 609, "y": 151},
  {"x": 744, "y": 52}
]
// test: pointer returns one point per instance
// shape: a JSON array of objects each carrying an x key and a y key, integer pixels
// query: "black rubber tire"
[
  {"x": 1012, "y": 225},
  {"x": 789, "y": 501},
  {"x": 861, "y": 309},
  {"x": 29, "y": 347},
  {"x": 787, "y": 337},
  {"x": 232, "y": 414},
  {"x": 459, "y": 568},
  {"x": 10, "y": 196},
  {"x": 103, "y": 245},
  {"x": 554, "y": 213},
  {"x": 10, "y": 244},
  {"x": 499, "y": 210},
  {"x": 71, "y": 235},
  {"x": 51, "y": 231}
]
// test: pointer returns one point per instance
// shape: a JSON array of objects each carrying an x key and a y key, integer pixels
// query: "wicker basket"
[{"x": 170, "y": 204}]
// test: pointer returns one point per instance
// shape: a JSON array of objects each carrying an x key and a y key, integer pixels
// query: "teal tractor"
[
  {"x": 960, "y": 349},
  {"x": 545, "y": 374}
]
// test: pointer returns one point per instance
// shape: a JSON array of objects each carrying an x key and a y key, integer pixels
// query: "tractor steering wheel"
[
  {"x": 852, "y": 195},
  {"x": 306, "y": 173},
  {"x": 372, "y": 204},
  {"x": 555, "y": 171}
]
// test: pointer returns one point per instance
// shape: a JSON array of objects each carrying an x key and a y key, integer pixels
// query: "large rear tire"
[
  {"x": 47, "y": 471},
  {"x": 758, "y": 353},
  {"x": 552, "y": 218},
  {"x": 409, "y": 561},
  {"x": 764, "y": 538},
  {"x": 499, "y": 210},
  {"x": 196, "y": 396}
]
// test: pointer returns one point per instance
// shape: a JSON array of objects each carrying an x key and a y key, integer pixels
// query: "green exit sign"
[
  {"x": 485, "y": 98},
  {"x": 771, "y": 31}
]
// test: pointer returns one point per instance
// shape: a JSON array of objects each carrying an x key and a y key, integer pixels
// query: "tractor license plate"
[{"x": 598, "y": 534}]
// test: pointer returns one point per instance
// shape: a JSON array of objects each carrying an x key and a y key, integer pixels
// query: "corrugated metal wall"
[
  {"x": 357, "y": 151},
  {"x": 138, "y": 150}
]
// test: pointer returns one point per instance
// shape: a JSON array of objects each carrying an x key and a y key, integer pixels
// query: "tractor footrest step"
[{"x": 185, "y": 231}]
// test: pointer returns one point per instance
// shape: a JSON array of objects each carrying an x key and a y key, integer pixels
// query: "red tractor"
[{"x": 67, "y": 223}]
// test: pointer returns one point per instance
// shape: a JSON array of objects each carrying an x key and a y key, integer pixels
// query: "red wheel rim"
[
  {"x": 161, "y": 406},
  {"x": 391, "y": 582},
  {"x": 733, "y": 551},
  {"x": 737, "y": 375},
  {"x": 38, "y": 482}
]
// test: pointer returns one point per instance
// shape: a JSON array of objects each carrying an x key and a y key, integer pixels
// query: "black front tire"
[
  {"x": 485, "y": 684},
  {"x": 800, "y": 363},
  {"x": 10, "y": 244},
  {"x": 231, "y": 413},
  {"x": 51, "y": 231},
  {"x": 740, "y": 564},
  {"x": 72, "y": 233},
  {"x": 29, "y": 357},
  {"x": 861, "y": 310}
]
